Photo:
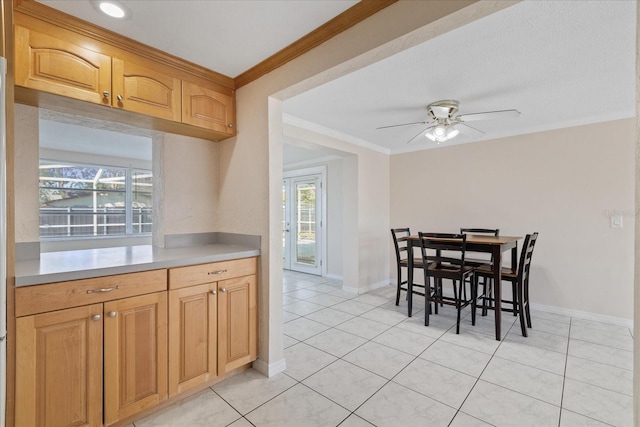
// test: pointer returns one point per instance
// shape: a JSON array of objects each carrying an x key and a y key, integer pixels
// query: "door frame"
[{"x": 322, "y": 171}]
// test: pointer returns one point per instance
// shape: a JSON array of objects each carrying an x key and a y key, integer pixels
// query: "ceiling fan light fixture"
[
  {"x": 440, "y": 131},
  {"x": 431, "y": 136},
  {"x": 452, "y": 133}
]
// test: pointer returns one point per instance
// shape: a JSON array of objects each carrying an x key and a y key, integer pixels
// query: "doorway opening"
[{"x": 303, "y": 230}]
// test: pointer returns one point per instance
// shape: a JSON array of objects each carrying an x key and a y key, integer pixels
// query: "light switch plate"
[{"x": 616, "y": 221}]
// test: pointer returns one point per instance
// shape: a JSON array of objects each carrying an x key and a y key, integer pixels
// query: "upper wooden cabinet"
[
  {"x": 50, "y": 64},
  {"x": 208, "y": 108},
  {"x": 145, "y": 90},
  {"x": 61, "y": 60}
]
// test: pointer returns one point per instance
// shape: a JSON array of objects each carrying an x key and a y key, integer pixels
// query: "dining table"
[{"x": 494, "y": 245}]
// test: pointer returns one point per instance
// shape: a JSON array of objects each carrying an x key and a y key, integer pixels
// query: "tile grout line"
[{"x": 478, "y": 379}]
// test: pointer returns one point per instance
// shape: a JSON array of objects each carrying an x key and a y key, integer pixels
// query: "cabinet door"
[
  {"x": 135, "y": 354},
  {"x": 208, "y": 108},
  {"x": 192, "y": 337},
  {"x": 237, "y": 323},
  {"x": 59, "y": 368},
  {"x": 44, "y": 62},
  {"x": 143, "y": 89}
]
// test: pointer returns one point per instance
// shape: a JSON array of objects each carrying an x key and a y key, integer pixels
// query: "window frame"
[{"x": 129, "y": 172}]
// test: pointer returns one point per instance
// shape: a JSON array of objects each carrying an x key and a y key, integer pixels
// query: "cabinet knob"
[
  {"x": 119, "y": 97},
  {"x": 223, "y": 290},
  {"x": 112, "y": 314},
  {"x": 213, "y": 292},
  {"x": 105, "y": 93},
  {"x": 230, "y": 125},
  {"x": 96, "y": 317}
]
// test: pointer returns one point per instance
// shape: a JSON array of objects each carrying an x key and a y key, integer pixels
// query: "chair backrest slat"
[
  {"x": 439, "y": 242},
  {"x": 400, "y": 241},
  {"x": 491, "y": 231},
  {"x": 526, "y": 256}
]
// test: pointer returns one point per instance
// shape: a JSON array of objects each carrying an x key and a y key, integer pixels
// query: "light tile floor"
[{"x": 359, "y": 361}]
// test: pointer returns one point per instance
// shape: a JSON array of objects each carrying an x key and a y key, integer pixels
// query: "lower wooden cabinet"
[
  {"x": 107, "y": 361},
  {"x": 192, "y": 337},
  {"x": 213, "y": 330},
  {"x": 59, "y": 368},
  {"x": 237, "y": 323},
  {"x": 135, "y": 355}
]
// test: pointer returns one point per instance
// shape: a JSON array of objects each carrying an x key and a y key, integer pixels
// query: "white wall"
[
  {"x": 365, "y": 209},
  {"x": 560, "y": 183},
  {"x": 335, "y": 213}
]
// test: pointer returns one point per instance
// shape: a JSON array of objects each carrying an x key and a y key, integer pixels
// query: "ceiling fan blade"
[
  {"x": 467, "y": 127},
  {"x": 403, "y": 124},
  {"x": 488, "y": 115},
  {"x": 419, "y": 133}
]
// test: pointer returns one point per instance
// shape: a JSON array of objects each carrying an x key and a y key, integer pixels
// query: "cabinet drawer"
[
  {"x": 59, "y": 295},
  {"x": 182, "y": 277}
]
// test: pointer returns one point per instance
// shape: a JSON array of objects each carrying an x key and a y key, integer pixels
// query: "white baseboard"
[
  {"x": 269, "y": 369},
  {"x": 627, "y": 323},
  {"x": 333, "y": 277},
  {"x": 366, "y": 289},
  {"x": 350, "y": 289}
]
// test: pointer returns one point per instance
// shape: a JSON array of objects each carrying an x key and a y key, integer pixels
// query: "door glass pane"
[{"x": 306, "y": 222}]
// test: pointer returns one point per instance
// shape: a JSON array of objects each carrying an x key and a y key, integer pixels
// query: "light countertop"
[{"x": 88, "y": 263}]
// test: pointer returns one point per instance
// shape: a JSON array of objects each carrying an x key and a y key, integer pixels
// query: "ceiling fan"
[{"x": 441, "y": 125}]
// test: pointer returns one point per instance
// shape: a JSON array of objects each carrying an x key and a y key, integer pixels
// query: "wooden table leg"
[{"x": 497, "y": 285}]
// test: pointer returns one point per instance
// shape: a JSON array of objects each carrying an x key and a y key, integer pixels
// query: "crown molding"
[
  {"x": 347, "y": 19},
  {"x": 313, "y": 127}
]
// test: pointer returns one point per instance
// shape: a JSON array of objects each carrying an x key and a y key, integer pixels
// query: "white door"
[{"x": 302, "y": 225}]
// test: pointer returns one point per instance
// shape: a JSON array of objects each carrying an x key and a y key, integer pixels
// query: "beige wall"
[
  {"x": 26, "y": 181},
  {"x": 187, "y": 185},
  {"x": 560, "y": 183},
  {"x": 251, "y": 163}
]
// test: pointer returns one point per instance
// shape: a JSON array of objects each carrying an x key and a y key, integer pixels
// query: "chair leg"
[
  {"x": 438, "y": 293},
  {"x": 427, "y": 301},
  {"x": 526, "y": 301},
  {"x": 520, "y": 298},
  {"x": 486, "y": 300},
  {"x": 515, "y": 300},
  {"x": 456, "y": 296},
  {"x": 399, "y": 285},
  {"x": 474, "y": 297}
]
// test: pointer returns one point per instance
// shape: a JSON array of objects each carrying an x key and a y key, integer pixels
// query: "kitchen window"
[{"x": 80, "y": 200}]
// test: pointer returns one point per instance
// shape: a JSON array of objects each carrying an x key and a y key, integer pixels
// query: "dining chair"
[
  {"x": 477, "y": 262},
  {"x": 400, "y": 242},
  {"x": 444, "y": 254},
  {"x": 519, "y": 280}
]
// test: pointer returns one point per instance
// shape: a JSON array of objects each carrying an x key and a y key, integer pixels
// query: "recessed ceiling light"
[{"x": 112, "y": 8}]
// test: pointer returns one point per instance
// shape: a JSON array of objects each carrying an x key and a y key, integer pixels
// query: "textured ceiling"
[
  {"x": 225, "y": 36},
  {"x": 560, "y": 63}
]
